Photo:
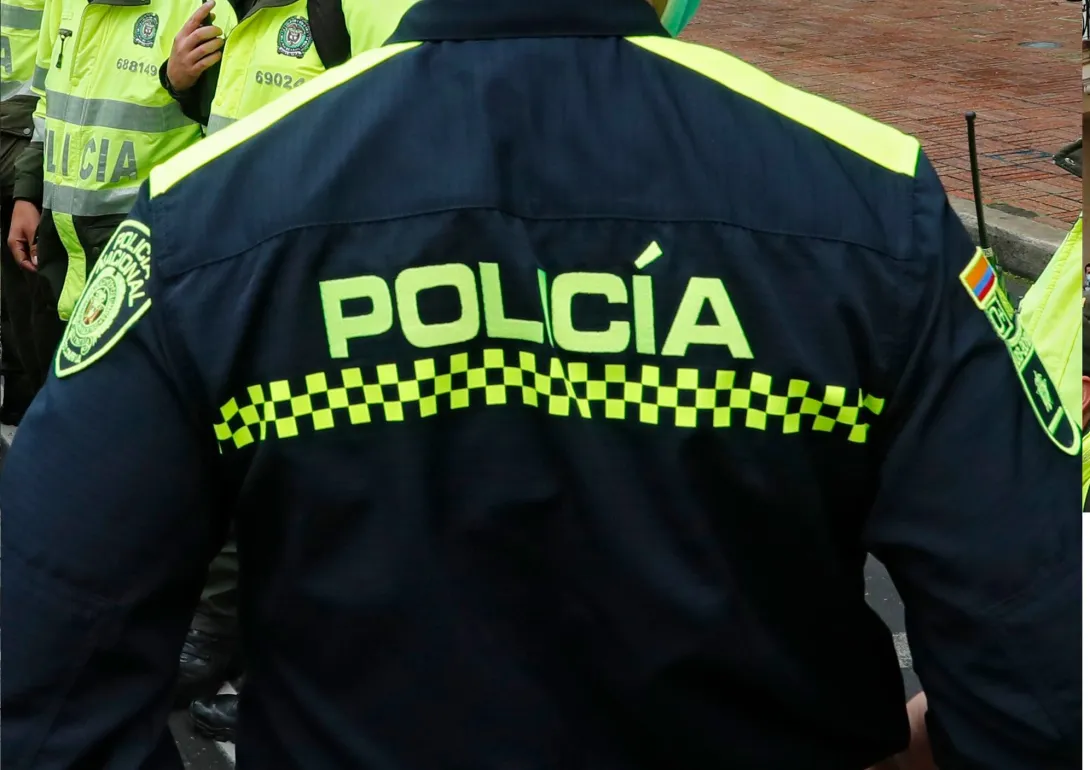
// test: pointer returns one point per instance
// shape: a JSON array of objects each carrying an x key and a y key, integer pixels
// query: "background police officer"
[
  {"x": 31, "y": 327},
  {"x": 555, "y": 423},
  {"x": 106, "y": 123},
  {"x": 276, "y": 47}
]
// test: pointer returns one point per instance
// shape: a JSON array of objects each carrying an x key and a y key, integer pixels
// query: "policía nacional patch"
[
  {"x": 980, "y": 280},
  {"x": 112, "y": 301}
]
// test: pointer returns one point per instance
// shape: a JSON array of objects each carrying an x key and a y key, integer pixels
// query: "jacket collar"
[{"x": 435, "y": 20}]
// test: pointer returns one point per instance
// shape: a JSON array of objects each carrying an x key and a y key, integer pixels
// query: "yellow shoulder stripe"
[
  {"x": 165, "y": 176},
  {"x": 875, "y": 141}
]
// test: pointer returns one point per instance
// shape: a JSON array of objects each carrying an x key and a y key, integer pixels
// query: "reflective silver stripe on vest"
[
  {"x": 38, "y": 79},
  {"x": 39, "y": 129},
  {"x": 88, "y": 203},
  {"x": 216, "y": 122},
  {"x": 14, "y": 17},
  {"x": 109, "y": 113},
  {"x": 9, "y": 89}
]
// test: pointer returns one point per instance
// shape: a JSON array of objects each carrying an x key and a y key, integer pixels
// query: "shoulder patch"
[
  {"x": 980, "y": 280},
  {"x": 113, "y": 300}
]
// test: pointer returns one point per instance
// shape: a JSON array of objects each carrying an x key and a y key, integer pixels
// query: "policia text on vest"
[
  {"x": 481, "y": 289},
  {"x": 104, "y": 123}
]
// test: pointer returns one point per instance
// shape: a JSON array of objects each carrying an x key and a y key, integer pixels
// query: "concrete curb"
[{"x": 1022, "y": 246}]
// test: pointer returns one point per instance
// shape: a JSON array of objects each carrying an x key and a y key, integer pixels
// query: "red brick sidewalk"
[{"x": 919, "y": 65}]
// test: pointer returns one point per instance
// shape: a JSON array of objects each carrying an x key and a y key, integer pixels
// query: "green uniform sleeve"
[
  {"x": 30, "y": 166},
  {"x": 29, "y": 174}
]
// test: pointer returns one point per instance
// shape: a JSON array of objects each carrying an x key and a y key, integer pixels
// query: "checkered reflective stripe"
[{"x": 651, "y": 394}]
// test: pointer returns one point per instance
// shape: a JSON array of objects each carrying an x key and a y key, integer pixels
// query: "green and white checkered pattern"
[{"x": 651, "y": 394}]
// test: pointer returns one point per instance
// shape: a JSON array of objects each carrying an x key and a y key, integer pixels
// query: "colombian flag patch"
[{"x": 979, "y": 278}]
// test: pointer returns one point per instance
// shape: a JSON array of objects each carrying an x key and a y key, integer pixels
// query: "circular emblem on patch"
[
  {"x": 97, "y": 310},
  {"x": 294, "y": 39},
  {"x": 145, "y": 29},
  {"x": 112, "y": 301}
]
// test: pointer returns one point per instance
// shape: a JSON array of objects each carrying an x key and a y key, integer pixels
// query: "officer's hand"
[
  {"x": 195, "y": 49},
  {"x": 21, "y": 237}
]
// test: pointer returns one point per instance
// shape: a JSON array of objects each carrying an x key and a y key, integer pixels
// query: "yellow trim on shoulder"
[
  {"x": 875, "y": 141},
  {"x": 165, "y": 176}
]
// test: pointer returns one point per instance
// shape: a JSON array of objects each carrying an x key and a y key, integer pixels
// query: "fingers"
[
  {"x": 207, "y": 62},
  {"x": 203, "y": 50},
  {"x": 195, "y": 21},
  {"x": 186, "y": 46},
  {"x": 21, "y": 250}
]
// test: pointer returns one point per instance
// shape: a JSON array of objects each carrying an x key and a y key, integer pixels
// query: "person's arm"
[
  {"x": 190, "y": 74},
  {"x": 330, "y": 31},
  {"x": 977, "y": 515},
  {"x": 109, "y": 521},
  {"x": 192, "y": 102},
  {"x": 30, "y": 169},
  {"x": 30, "y": 165}
]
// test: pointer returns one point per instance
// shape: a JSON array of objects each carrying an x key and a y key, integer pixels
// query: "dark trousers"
[
  {"x": 217, "y": 612},
  {"x": 32, "y": 330}
]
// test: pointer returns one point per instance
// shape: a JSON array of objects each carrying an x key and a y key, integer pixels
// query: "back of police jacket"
[{"x": 556, "y": 422}]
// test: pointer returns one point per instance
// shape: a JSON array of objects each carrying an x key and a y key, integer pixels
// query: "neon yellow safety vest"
[
  {"x": 371, "y": 22},
  {"x": 20, "y": 21},
  {"x": 272, "y": 51},
  {"x": 107, "y": 120},
  {"x": 1052, "y": 314}
]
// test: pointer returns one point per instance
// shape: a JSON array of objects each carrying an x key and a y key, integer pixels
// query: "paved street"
[{"x": 919, "y": 65}]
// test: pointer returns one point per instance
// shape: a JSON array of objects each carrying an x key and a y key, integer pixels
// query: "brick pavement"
[{"x": 919, "y": 65}]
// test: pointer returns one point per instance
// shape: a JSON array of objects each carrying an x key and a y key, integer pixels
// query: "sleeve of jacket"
[
  {"x": 30, "y": 173},
  {"x": 977, "y": 516},
  {"x": 330, "y": 30},
  {"x": 195, "y": 102},
  {"x": 109, "y": 524},
  {"x": 30, "y": 165}
]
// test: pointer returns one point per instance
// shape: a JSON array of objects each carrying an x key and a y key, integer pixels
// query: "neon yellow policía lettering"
[
  {"x": 340, "y": 328},
  {"x": 408, "y": 286},
  {"x": 363, "y": 306},
  {"x": 566, "y": 287},
  {"x": 496, "y": 324},
  {"x": 726, "y": 331}
]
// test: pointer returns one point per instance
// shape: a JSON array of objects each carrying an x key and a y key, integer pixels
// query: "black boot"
[
  {"x": 206, "y": 662},
  {"x": 215, "y": 717}
]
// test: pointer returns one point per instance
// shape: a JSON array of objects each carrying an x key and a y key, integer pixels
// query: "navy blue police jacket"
[{"x": 558, "y": 377}]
